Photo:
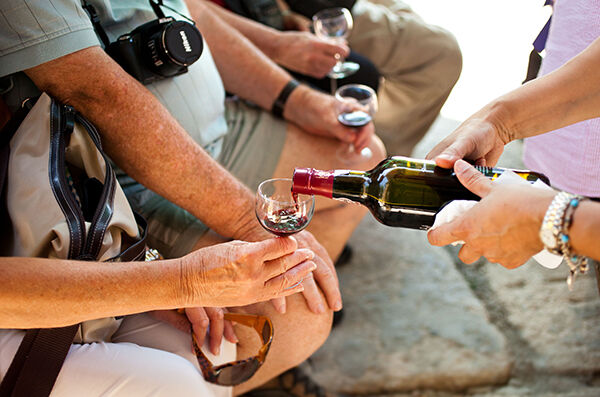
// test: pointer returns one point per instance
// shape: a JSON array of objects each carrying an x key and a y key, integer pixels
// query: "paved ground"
[{"x": 418, "y": 322}]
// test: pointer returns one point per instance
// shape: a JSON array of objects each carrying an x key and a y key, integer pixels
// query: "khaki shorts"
[{"x": 250, "y": 151}]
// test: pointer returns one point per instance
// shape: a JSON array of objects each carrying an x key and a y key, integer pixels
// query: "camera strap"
[
  {"x": 156, "y": 4},
  {"x": 93, "y": 14},
  {"x": 91, "y": 10}
]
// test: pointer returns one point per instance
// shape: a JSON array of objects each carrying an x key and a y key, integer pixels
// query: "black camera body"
[{"x": 158, "y": 49}]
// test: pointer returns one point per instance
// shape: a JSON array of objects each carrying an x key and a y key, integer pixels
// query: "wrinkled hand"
[
  {"x": 204, "y": 321},
  {"x": 503, "y": 226},
  {"x": 315, "y": 113},
  {"x": 475, "y": 139},
  {"x": 305, "y": 53},
  {"x": 240, "y": 273},
  {"x": 321, "y": 287}
]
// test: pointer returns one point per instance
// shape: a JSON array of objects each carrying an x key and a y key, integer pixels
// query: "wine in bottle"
[{"x": 399, "y": 191}]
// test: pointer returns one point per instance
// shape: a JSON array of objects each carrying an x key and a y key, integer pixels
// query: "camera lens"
[{"x": 177, "y": 45}]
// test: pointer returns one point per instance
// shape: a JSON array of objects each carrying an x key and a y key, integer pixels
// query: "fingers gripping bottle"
[{"x": 399, "y": 191}]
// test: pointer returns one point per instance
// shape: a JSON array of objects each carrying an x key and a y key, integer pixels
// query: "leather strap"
[
  {"x": 42, "y": 352},
  {"x": 279, "y": 103},
  {"x": 38, "y": 361}
]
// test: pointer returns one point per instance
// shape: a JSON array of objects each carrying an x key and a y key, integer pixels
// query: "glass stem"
[{"x": 333, "y": 85}]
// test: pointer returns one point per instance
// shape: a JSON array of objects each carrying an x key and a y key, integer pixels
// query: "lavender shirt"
[{"x": 569, "y": 156}]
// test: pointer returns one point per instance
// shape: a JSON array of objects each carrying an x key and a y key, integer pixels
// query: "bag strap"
[
  {"x": 40, "y": 356},
  {"x": 37, "y": 362}
]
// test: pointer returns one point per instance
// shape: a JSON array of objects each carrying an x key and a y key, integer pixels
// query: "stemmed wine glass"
[
  {"x": 355, "y": 106},
  {"x": 335, "y": 23},
  {"x": 281, "y": 212}
]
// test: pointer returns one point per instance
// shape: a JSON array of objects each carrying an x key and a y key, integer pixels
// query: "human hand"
[
  {"x": 294, "y": 21},
  {"x": 204, "y": 321},
  {"x": 476, "y": 139},
  {"x": 240, "y": 273},
  {"x": 305, "y": 53},
  {"x": 321, "y": 287},
  {"x": 503, "y": 226},
  {"x": 323, "y": 279},
  {"x": 315, "y": 112}
]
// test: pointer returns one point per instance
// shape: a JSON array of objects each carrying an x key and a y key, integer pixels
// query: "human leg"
[
  {"x": 420, "y": 64},
  {"x": 273, "y": 139}
]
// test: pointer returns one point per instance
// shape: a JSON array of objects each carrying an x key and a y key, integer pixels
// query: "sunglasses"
[{"x": 236, "y": 372}]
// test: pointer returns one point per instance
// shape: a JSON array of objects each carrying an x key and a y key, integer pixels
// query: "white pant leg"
[{"x": 132, "y": 367}]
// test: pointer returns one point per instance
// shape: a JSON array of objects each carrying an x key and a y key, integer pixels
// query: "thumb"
[{"x": 472, "y": 179}]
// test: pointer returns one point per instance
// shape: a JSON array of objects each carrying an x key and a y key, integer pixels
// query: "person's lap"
[{"x": 145, "y": 357}]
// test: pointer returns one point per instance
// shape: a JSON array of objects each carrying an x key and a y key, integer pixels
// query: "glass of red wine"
[
  {"x": 355, "y": 106},
  {"x": 280, "y": 211}
]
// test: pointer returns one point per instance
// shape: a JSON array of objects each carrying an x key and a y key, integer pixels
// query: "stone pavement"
[{"x": 418, "y": 322}]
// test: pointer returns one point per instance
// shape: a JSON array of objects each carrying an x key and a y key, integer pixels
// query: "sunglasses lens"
[
  {"x": 266, "y": 332},
  {"x": 237, "y": 374}
]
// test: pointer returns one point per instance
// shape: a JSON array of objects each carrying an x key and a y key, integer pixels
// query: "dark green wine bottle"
[{"x": 399, "y": 191}]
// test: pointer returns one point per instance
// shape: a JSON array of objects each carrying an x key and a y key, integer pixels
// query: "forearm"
[
  {"x": 146, "y": 141},
  {"x": 262, "y": 36},
  {"x": 39, "y": 293},
  {"x": 565, "y": 96},
  {"x": 584, "y": 230},
  {"x": 245, "y": 70}
]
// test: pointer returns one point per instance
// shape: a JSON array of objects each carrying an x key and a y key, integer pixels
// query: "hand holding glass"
[
  {"x": 336, "y": 24},
  {"x": 355, "y": 106}
]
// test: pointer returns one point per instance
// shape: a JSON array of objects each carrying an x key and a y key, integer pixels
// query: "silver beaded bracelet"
[{"x": 554, "y": 232}]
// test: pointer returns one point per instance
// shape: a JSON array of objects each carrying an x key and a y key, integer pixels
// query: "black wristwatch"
[{"x": 279, "y": 104}]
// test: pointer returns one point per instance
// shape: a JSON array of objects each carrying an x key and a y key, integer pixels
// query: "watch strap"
[{"x": 279, "y": 104}]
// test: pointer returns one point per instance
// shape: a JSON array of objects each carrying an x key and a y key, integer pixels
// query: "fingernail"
[
  {"x": 320, "y": 308},
  {"x": 217, "y": 351},
  {"x": 337, "y": 306},
  {"x": 445, "y": 156}
]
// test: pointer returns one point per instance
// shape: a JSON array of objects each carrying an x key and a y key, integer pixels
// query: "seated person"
[
  {"x": 419, "y": 62},
  {"x": 193, "y": 160},
  {"x": 314, "y": 56}
]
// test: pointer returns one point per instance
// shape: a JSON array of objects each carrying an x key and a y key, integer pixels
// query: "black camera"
[{"x": 158, "y": 49}]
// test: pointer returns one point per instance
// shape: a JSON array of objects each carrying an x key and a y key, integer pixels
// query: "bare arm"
[
  {"x": 146, "y": 141},
  {"x": 568, "y": 95},
  {"x": 250, "y": 74},
  {"x": 505, "y": 230},
  {"x": 246, "y": 71},
  {"x": 584, "y": 230},
  {"x": 38, "y": 292},
  {"x": 301, "y": 52}
]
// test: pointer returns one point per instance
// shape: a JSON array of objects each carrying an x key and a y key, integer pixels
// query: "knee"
[
  {"x": 310, "y": 330},
  {"x": 448, "y": 57}
]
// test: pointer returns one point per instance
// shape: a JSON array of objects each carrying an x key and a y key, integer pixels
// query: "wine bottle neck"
[
  {"x": 332, "y": 184},
  {"x": 313, "y": 182}
]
